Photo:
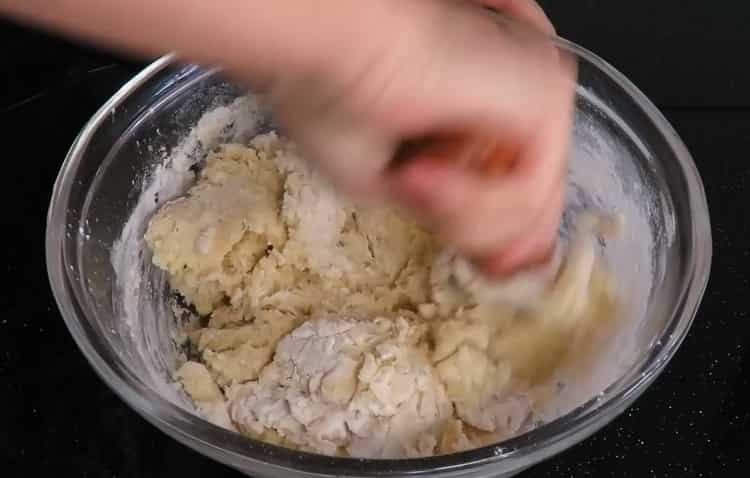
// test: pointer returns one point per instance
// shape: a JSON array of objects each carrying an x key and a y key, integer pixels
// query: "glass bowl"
[{"x": 625, "y": 157}]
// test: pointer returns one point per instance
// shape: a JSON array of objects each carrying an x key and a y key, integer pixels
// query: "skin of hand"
[
  {"x": 445, "y": 66},
  {"x": 351, "y": 80}
]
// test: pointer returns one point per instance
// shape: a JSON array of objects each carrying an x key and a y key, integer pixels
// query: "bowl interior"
[{"x": 138, "y": 153}]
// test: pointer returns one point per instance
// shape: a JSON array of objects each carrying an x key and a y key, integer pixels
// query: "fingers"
[
  {"x": 503, "y": 223},
  {"x": 503, "y": 83},
  {"x": 477, "y": 214},
  {"x": 536, "y": 244},
  {"x": 533, "y": 247},
  {"x": 525, "y": 10}
]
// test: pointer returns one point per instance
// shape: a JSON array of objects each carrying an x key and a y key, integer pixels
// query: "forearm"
[{"x": 257, "y": 39}]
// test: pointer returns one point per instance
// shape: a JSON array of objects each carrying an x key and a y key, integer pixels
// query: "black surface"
[{"x": 58, "y": 419}]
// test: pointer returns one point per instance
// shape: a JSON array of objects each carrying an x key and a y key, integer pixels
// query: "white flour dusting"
[{"x": 131, "y": 261}]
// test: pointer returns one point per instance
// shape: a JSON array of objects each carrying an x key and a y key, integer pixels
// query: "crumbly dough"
[
  {"x": 345, "y": 330},
  {"x": 357, "y": 387}
]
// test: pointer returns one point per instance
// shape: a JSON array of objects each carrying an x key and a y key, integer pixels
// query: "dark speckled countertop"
[{"x": 58, "y": 419}]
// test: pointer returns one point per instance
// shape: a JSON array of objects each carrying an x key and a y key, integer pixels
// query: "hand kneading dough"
[{"x": 345, "y": 330}]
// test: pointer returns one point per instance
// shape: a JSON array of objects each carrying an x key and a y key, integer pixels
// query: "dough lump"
[
  {"x": 346, "y": 330},
  {"x": 359, "y": 387}
]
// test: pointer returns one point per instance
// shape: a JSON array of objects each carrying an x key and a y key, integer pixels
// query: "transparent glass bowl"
[{"x": 625, "y": 157}]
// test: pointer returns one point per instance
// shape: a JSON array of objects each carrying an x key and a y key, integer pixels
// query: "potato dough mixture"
[{"x": 346, "y": 330}]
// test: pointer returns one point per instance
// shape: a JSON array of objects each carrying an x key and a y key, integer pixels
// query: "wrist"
[{"x": 321, "y": 40}]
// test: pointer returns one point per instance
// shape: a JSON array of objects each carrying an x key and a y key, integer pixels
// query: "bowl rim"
[{"x": 516, "y": 453}]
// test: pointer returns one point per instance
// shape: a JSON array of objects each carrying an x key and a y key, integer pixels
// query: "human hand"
[
  {"x": 429, "y": 68},
  {"x": 353, "y": 81}
]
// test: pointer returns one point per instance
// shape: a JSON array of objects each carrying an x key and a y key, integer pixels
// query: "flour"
[
  {"x": 362, "y": 387},
  {"x": 147, "y": 322}
]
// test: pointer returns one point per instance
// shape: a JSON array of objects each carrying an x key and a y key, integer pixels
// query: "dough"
[
  {"x": 210, "y": 239},
  {"x": 345, "y": 330},
  {"x": 361, "y": 387}
]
